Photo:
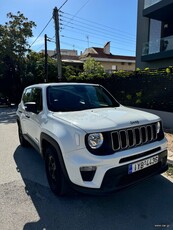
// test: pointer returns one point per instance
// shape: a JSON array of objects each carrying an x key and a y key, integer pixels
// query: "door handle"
[{"x": 27, "y": 116}]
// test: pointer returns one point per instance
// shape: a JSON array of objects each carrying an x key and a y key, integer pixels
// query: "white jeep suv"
[{"x": 88, "y": 140}]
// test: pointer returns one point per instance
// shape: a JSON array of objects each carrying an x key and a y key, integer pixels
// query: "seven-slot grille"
[{"x": 127, "y": 138}]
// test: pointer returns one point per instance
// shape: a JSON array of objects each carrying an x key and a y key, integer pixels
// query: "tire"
[
  {"x": 22, "y": 140},
  {"x": 54, "y": 173}
]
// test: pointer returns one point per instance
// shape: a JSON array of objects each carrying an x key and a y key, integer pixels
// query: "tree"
[
  {"x": 35, "y": 69},
  {"x": 93, "y": 67},
  {"x": 14, "y": 35},
  {"x": 14, "y": 45}
]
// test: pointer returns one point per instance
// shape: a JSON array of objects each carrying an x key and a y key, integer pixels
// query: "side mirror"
[{"x": 31, "y": 107}]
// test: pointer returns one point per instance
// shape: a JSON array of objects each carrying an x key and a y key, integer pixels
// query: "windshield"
[{"x": 66, "y": 98}]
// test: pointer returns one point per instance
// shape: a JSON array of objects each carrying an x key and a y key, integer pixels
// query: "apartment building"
[{"x": 154, "y": 47}]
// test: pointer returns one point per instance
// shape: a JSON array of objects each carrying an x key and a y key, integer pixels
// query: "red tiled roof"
[
  {"x": 70, "y": 57},
  {"x": 100, "y": 54}
]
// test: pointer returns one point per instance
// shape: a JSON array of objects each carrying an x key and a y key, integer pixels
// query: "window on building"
[
  {"x": 114, "y": 67},
  {"x": 154, "y": 36}
]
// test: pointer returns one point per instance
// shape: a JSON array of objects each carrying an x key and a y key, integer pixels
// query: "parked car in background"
[{"x": 88, "y": 140}]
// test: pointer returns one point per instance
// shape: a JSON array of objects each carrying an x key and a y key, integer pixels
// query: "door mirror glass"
[{"x": 31, "y": 107}]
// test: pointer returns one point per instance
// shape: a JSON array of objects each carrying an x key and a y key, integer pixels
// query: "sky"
[{"x": 83, "y": 23}]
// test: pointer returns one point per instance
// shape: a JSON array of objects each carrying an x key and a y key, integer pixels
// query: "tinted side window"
[
  {"x": 36, "y": 96},
  {"x": 27, "y": 96},
  {"x": 33, "y": 95}
]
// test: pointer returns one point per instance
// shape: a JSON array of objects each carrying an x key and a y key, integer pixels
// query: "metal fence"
[{"x": 145, "y": 91}]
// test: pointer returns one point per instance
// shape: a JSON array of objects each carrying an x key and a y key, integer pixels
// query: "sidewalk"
[{"x": 170, "y": 157}]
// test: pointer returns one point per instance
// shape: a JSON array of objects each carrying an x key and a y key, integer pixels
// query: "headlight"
[
  {"x": 158, "y": 127},
  {"x": 95, "y": 140}
]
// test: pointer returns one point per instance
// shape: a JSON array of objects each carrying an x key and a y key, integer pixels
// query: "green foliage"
[
  {"x": 129, "y": 96},
  {"x": 14, "y": 35},
  {"x": 139, "y": 97},
  {"x": 93, "y": 67},
  {"x": 150, "y": 89},
  {"x": 92, "y": 70},
  {"x": 68, "y": 71},
  {"x": 14, "y": 45},
  {"x": 122, "y": 73},
  {"x": 138, "y": 94},
  {"x": 35, "y": 70}
]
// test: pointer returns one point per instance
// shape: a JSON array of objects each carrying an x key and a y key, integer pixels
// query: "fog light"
[
  {"x": 88, "y": 172},
  {"x": 88, "y": 168}
]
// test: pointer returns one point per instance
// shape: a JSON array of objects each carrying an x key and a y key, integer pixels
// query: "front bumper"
[
  {"x": 118, "y": 177},
  {"x": 112, "y": 171}
]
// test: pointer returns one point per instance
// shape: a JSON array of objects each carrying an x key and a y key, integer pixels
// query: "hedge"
[{"x": 140, "y": 89}]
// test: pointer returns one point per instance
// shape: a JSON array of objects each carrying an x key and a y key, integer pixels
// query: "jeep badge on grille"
[{"x": 134, "y": 122}]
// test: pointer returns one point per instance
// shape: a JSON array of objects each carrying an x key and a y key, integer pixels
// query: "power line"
[
  {"x": 77, "y": 39},
  {"x": 96, "y": 30},
  {"x": 70, "y": 44},
  {"x": 117, "y": 41},
  {"x": 100, "y": 32},
  {"x": 73, "y": 16},
  {"x": 42, "y": 46},
  {"x": 97, "y": 27},
  {"x": 40, "y": 33},
  {"x": 63, "y": 4},
  {"x": 96, "y": 23}
]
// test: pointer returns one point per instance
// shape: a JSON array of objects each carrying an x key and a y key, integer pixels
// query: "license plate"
[{"x": 143, "y": 164}]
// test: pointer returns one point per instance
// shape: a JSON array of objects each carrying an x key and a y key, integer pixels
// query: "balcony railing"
[
  {"x": 160, "y": 45},
  {"x": 149, "y": 3}
]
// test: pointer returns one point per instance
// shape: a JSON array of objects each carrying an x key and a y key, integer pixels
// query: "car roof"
[{"x": 45, "y": 85}]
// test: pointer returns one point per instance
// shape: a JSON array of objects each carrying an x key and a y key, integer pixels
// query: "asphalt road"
[{"x": 26, "y": 201}]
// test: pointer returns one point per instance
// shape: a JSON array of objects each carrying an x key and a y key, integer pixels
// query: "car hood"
[{"x": 105, "y": 119}]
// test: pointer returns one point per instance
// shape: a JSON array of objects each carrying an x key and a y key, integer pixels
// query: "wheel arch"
[{"x": 47, "y": 141}]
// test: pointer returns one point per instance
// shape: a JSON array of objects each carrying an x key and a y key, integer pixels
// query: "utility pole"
[
  {"x": 58, "y": 52},
  {"x": 46, "y": 67}
]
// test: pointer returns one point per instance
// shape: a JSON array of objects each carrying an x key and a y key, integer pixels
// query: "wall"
[{"x": 125, "y": 66}]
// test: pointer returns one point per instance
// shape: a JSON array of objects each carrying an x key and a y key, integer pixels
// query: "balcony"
[
  {"x": 149, "y": 3},
  {"x": 158, "y": 9},
  {"x": 159, "y": 49}
]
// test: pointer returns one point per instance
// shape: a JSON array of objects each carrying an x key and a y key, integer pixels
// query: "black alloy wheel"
[{"x": 54, "y": 173}]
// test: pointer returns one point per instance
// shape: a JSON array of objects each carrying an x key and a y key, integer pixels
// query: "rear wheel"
[
  {"x": 22, "y": 140},
  {"x": 54, "y": 173}
]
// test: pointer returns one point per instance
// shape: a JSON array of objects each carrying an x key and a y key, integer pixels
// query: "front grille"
[{"x": 127, "y": 138}]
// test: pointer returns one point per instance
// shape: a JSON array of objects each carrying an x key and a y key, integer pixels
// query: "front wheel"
[{"x": 54, "y": 173}]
